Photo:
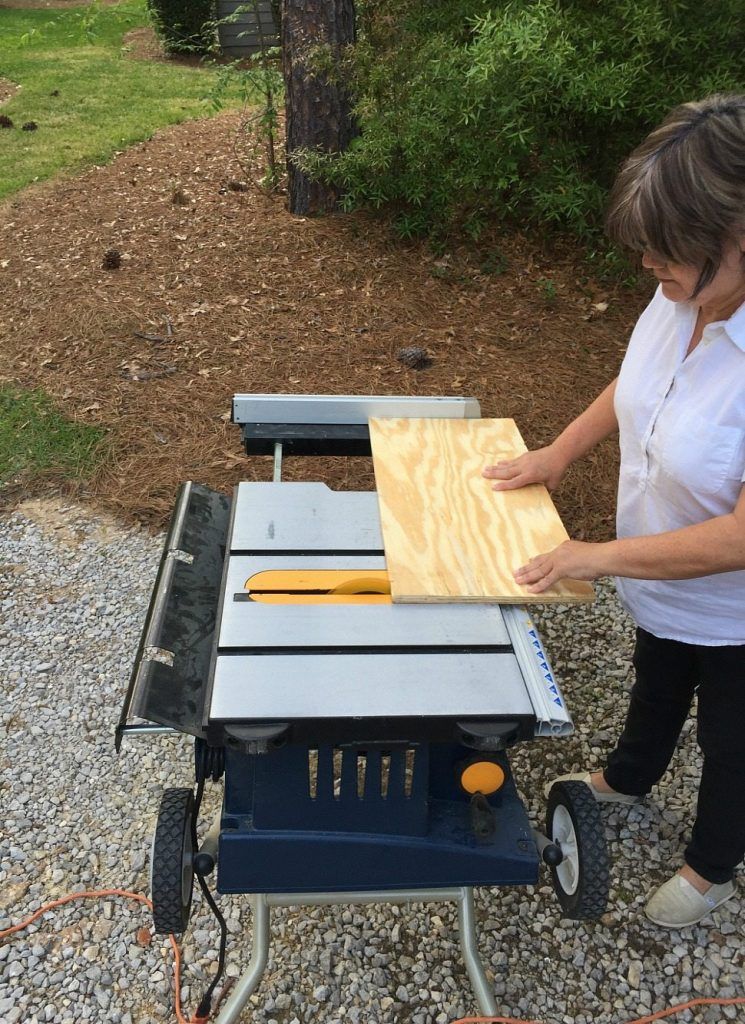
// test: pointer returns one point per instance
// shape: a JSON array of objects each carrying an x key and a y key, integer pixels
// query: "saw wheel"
[{"x": 172, "y": 862}]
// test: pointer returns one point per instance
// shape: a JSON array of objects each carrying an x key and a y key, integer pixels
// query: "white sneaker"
[
  {"x": 677, "y": 903},
  {"x": 602, "y": 798}
]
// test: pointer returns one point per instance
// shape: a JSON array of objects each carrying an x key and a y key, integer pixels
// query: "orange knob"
[{"x": 482, "y": 777}]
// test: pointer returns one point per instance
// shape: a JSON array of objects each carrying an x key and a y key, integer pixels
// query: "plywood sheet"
[{"x": 447, "y": 535}]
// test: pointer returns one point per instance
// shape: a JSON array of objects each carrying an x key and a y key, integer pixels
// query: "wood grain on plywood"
[{"x": 448, "y": 535}]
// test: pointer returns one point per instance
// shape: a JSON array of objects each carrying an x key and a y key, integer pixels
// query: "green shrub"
[
  {"x": 474, "y": 108},
  {"x": 185, "y": 26}
]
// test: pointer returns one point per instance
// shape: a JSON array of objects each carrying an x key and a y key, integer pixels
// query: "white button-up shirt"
[{"x": 682, "y": 435}]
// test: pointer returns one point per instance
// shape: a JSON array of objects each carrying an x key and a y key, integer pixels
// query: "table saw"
[{"x": 363, "y": 743}]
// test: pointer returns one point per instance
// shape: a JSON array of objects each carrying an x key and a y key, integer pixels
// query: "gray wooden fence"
[{"x": 243, "y": 36}]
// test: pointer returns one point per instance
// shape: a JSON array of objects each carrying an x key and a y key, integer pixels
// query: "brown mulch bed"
[
  {"x": 143, "y": 44},
  {"x": 260, "y": 301}
]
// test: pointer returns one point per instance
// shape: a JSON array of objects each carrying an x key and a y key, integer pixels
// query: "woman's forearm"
[
  {"x": 597, "y": 422},
  {"x": 717, "y": 545}
]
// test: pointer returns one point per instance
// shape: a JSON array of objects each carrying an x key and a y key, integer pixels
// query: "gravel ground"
[{"x": 73, "y": 816}]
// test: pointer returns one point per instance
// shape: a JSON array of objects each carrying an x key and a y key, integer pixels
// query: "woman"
[{"x": 679, "y": 407}]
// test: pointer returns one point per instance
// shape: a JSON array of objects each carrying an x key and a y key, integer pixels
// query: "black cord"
[
  {"x": 204, "y": 1006},
  {"x": 223, "y": 943}
]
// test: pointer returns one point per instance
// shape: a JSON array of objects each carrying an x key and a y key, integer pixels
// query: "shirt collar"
[{"x": 734, "y": 328}]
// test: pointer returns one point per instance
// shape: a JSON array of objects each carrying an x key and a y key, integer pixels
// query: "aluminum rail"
[
  {"x": 318, "y": 409},
  {"x": 552, "y": 716}
]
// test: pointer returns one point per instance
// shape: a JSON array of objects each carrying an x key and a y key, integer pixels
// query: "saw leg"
[
  {"x": 469, "y": 946},
  {"x": 261, "y": 903},
  {"x": 259, "y": 955}
]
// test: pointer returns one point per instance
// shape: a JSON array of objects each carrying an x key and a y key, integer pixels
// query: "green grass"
[
  {"x": 35, "y": 438},
  {"x": 105, "y": 100}
]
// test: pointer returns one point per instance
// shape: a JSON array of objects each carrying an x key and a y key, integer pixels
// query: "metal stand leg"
[
  {"x": 259, "y": 955},
  {"x": 469, "y": 946},
  {"x": 261, "y": 904}
]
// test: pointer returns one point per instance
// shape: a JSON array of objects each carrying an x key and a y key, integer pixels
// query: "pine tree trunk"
[{"x": 317, "y": 110}]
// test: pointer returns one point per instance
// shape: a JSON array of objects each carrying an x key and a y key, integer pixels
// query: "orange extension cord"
[
  {"x": 639, "y": 1020},
  {"x": 101, "y": 893}
]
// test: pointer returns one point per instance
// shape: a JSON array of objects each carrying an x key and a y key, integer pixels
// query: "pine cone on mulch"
[
  {"x": 112, "y": 259},
  {"x": 414, "y": 357}
]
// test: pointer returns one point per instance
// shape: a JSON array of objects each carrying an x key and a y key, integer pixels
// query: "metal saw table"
[{"x": 363, "y": 744}]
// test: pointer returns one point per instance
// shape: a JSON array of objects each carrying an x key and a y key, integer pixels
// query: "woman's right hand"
[{"x": 542, "y": 466}]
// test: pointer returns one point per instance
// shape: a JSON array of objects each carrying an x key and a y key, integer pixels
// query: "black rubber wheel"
[
  {"x": 171, "y": 862},
  {"x": 574, "y": 823}
]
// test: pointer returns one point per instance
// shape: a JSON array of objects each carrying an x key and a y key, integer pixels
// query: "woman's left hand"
[{"x": 571, "y": 560}]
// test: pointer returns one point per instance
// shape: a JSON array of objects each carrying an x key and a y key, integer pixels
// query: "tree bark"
[{"x": 317, "y": 105}]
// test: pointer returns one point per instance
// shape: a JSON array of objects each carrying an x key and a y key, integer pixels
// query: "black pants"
[{"x": 667, "y": 675}]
